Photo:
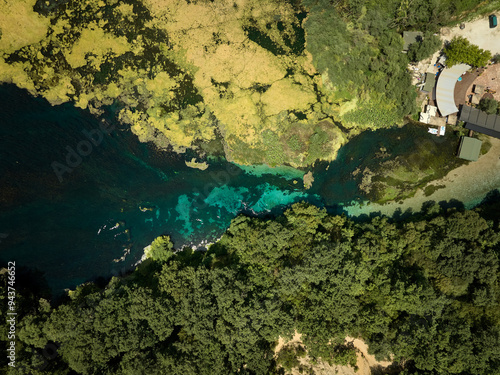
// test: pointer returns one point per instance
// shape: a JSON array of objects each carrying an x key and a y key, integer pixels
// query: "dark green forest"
[{"x": 424, "y": 289}]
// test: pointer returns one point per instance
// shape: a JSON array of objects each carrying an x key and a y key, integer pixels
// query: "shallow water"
[
  {"x": 123, "y": 194},
  {"x": 96, "y": 219}
]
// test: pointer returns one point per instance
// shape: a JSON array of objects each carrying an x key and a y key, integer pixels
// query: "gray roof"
[
  {"x": 470, "y": 148},
  {"x": 480, "y": 121},
  {"x": 445, "y": 88},
  {"x": 430, "y": 81},
  {"x": 410, "y": 37}
]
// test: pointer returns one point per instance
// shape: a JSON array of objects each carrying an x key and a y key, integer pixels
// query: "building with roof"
[
  {"x": 470, "y": 148},
  {"x": 430, "y": 111},
  {"x": 445, "y": 88},
  {"x": 480, "y": 121},
  {"x": 430, "y": 82},
  {"x": 410, "y": 37},
  {"x": 478, "y": 89},
  {"x": 475, "y": 99},
  {"x": 424, "y": 117}
]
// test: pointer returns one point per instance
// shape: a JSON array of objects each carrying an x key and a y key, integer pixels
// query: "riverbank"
[{"x": 468, "y": 184}]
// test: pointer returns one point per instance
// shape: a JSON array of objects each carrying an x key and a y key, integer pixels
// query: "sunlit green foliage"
[
  {"x": 460, "y": 50},
  {"x": 425, "y": 291},
  {"x": 161, "y": 249}
]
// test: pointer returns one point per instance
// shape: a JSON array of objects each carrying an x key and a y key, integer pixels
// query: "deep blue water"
[
  {"x": 68, "y": 229},
  {"x": 96, "y": 219}
]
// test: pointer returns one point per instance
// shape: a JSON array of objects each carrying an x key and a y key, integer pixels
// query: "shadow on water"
[
  {"x": 112, "y": 196},
  {"x": 96, "y": 219}
]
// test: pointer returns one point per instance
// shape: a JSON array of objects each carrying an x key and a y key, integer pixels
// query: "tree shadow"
[
  {"x": 452, "y": 204},
  {"x": 400, "y": 215},
  {"x": 393, "y": 368}
]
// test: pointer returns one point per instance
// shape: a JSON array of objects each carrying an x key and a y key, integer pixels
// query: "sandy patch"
[
  {"x": 365, "y": 362},
  {"x": 477, "y": 32},
  {"x": 468, "y": 184}
]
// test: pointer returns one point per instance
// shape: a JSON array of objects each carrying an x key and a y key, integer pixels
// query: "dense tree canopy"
[
  {"x": 424, "y": 48},
  {"x": 489, "y": 105},
  {"x": 425, "y": 291},
  {"x": 460, "y": 50}
]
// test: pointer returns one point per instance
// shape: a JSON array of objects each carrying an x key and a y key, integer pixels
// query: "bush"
[
  {"x": 490, "y": 106},
  {"x": 460, "y": 50},
  {"x": 424, "y": 48}
]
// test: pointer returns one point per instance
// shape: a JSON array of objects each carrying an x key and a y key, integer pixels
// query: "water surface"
[{"x": 96, "y": 219}]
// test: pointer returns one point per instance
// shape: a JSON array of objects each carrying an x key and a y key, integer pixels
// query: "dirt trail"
[
  {"x": 478, "y": 32},
  {"x": 365, "y": 362}
]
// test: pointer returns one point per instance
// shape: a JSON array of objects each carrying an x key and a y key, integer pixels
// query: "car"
[{"x": 493, "y": 21}]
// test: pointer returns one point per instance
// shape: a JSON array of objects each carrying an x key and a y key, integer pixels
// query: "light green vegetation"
[
  {"x": 185, "y": 72},
  {"x": 180, "y": 71},
  {"x": 424, "y": 292},
  {"x": 160, "y": 250},
  {"x": 264, "y": 82},
  {"x": 460, "y": 50}
]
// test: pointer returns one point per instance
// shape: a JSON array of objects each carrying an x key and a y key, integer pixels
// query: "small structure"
[
  {"x": 475, "y": 99},
  {"x": 452, "y": 119},
  {"x": 441, "y": 130},
  {"x": 480, "y": 121},
  {"x": 410, "y": 37},
  {"x": 424, "y": 117},
  {"x": 430, "y": 82},
  {"x": 470, "y": 148},
  {"x": 479, "y": 90},
  {"x": 430, "y": 111},
  {"x": 445, "y": 88}
]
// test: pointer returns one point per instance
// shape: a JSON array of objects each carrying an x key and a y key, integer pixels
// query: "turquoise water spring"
[{"x": 96, "y": 219}]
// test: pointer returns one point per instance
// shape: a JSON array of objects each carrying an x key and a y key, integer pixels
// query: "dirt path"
[
  {"x": 468, "y": 184},
  {"x": 477, "y": 32},
  {"x": 365, "y": 362}
]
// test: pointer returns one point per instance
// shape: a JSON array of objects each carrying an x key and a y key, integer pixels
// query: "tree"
[
  {"x": 490, "y": 106},
  {"x": 425, "y": 291},
  {"x": 460, "y": 50},
  {"x": 424, "y": 48},
  {"x": 161, "y": 249}
]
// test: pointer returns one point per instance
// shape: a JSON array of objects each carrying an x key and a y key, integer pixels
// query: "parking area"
[{"x": 478, "y": 32}]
